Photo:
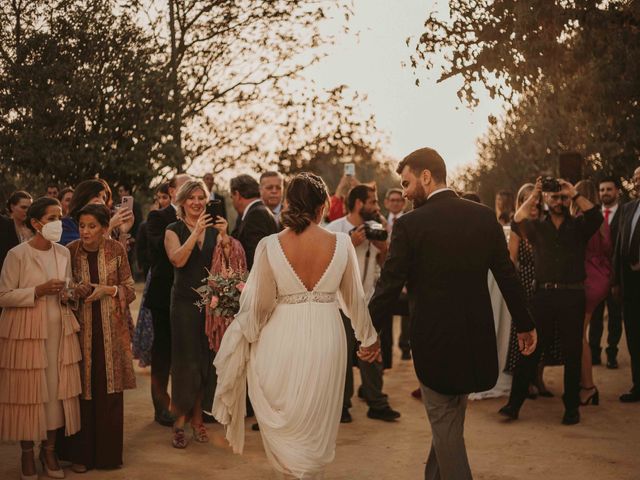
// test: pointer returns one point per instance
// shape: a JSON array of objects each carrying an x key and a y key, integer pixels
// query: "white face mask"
[{"x": 52, "y": 231}]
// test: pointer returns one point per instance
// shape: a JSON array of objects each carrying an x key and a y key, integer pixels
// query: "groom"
[{"x": 442, "y": 251}]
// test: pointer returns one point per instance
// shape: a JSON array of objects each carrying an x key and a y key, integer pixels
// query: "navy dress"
[{"x": 192, "y": 370}]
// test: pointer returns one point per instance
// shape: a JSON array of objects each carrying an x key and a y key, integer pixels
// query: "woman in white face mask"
[{"x": 39, "y": 348}]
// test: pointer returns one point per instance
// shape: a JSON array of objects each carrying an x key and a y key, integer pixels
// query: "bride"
[{"x": 288, "y": 342}]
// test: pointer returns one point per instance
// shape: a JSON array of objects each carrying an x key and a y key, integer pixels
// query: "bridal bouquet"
[{"x": 221, "y": 293}]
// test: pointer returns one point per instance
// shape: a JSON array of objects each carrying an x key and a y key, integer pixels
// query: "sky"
[{"x": 412, "y": 116}]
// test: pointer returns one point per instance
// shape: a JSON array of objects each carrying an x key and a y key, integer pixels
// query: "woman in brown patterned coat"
[{"x": 101, "y": 269}]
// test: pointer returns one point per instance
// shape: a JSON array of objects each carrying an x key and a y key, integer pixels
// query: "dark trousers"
[
  {"x": 371, "y": 374},
  {"x": 567, "y": 308},
  {"x": 386, "y": 343},
  {"x": 596, "y": 327},
  {"x": 386, "y": 340},
  {"x": 403, "y": 341},
  {"x": 448, "y": 455},
  {"x": 631, "y": 314},
  {"x": 160, "y": 360}
]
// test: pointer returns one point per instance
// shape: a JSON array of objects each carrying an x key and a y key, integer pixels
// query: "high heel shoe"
[
  {"x": 50, "y": 473},
  {"x": 593, "y": 399},
  {"x": 22, "y": 475}
]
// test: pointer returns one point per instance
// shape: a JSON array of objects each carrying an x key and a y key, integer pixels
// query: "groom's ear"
[{"x": 425, "y": 177}]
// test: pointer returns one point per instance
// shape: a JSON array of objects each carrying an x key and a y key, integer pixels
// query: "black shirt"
[{"x": 560, "y": 252}]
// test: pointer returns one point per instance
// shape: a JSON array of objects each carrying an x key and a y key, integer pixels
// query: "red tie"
[{"x": 607, "y": 212}]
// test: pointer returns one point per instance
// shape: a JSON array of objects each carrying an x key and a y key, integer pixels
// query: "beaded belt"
[{"x": 307, "y": 297}]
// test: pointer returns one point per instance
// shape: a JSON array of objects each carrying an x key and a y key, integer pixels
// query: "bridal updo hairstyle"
[{"x": 305, "y": 194}]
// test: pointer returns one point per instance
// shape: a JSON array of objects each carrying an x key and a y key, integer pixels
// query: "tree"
[
  {"x": 233, "y": 65},
  {"x": 341, "y": 132},
  {"x": 81, "y": 95},
  {"x": 569, "y": 71}
]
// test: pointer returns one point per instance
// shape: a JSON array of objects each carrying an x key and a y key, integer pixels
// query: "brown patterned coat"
[{"x": 113, "y": 270}]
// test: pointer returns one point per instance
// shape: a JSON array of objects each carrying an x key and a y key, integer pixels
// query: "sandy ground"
[{"x": 605, "y": 445}]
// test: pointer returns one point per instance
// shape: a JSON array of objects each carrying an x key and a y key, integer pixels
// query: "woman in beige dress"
[{"x": 39, "y": 348}]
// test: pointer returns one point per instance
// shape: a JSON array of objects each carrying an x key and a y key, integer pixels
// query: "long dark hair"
[
  {"x": 305, "y": 194},
  {"x": 82, "y": 195}
]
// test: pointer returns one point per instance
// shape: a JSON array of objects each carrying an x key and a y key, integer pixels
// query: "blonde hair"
[
  {"x": 525, "y": 189},
  {"x": 185, "y": 192}
]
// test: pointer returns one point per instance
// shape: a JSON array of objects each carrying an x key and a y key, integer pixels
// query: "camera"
[
  {"x": 375, "y": 231},
  {"x": 550, "y": 184}
]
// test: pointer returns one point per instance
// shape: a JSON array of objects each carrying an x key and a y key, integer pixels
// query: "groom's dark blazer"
[
  {"x": 443, "y": 251},
  {"x": 258, "y": 223}
]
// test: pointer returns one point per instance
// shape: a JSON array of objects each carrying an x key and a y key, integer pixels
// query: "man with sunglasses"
[{"x": 559, "y": 242}]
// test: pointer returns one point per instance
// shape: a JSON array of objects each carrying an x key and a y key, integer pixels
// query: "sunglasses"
[{"x": 559, "y": 197}]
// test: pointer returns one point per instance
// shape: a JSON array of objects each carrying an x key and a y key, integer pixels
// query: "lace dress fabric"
[{"x": 288, "y": 345}]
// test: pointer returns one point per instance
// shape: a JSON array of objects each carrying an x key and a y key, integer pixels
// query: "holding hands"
[{"x": 370, "y": 353}]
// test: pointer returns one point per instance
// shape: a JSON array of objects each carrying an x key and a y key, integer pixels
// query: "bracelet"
[
  {"x": 115, "y": 294},
  {"x": 578, "y": 194}
]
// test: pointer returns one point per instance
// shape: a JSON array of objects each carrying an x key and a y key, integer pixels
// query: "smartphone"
[
  {"x": 215, "y": 209},
  {"x": 350, "y": 169},
  {"x": 127, "y": 202}
]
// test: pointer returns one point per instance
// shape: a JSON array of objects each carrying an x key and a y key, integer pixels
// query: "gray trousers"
[
  {"x": 448, "y": 455},
  {"x": 371, "y": 374}
]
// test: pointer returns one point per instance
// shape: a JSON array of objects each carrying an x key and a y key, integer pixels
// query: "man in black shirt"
[{"x": 559, "y": 242}]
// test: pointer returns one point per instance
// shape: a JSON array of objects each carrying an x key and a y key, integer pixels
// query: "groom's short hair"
[{"x": 425, "y": 159}]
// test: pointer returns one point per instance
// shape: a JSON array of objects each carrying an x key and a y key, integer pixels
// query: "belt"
[
  {"x": 307, "y": 297},
  {"x": 560, "y": 286}
]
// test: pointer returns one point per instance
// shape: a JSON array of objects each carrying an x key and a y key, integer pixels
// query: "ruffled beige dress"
[{"x": 39, "y": 348}]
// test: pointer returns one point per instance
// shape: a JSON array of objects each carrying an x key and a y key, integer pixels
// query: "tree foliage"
[
  {"x": 134, "y": 91},
  {"x": 569, "y": 71},
  {"x": 235, "y": 74},
  {"x": 81, "y": 94}
]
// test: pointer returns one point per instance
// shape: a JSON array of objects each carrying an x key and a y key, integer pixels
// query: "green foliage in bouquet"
[{"x": 222, "y": 292}]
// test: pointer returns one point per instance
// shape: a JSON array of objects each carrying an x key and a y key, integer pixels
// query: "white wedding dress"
[{"x": 288, "y": 344}]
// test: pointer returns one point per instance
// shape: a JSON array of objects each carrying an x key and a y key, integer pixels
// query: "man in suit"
[
  {"x": 255, "y": 220},
  {"x": 208, "y": 181},
  {"x": 626, "y": 270},
  {"x": 158, "y": 300},
  {"x": 395, "y": 204},
  {"x": 271, "y": 192},
  {"x": 442, "y": 251},
  {"x": 609, "y": 193}
]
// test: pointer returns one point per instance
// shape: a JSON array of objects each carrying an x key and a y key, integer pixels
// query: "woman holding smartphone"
[{"x": 190, "y": 243}]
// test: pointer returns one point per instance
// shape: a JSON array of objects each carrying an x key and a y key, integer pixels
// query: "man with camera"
[
  {"x": 369, "y": 239},
  {"x": 559, "y": 242}
]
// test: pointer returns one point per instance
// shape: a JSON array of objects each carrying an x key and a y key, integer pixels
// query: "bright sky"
[{"x": 370, "y": 62}]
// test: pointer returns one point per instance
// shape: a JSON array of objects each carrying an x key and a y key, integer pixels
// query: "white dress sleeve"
[
  {"x": 352, "y": 299},
  {"x": 257, "y": 301}
]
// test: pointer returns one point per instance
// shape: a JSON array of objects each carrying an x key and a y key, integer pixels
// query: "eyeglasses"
[{"x": 559, "y": 197}]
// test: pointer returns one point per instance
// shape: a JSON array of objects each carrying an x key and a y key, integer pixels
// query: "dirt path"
[{"x": 606, "y": 445}]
